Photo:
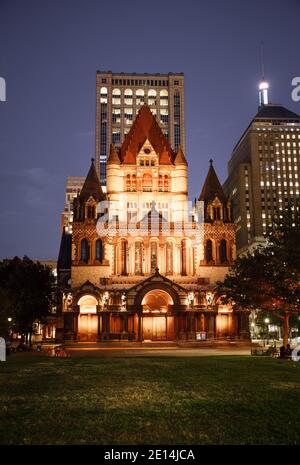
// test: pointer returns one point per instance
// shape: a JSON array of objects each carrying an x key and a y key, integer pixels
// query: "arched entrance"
[
  {"x": 158, "y": 320},
  {"x": 87, "y": 318}
]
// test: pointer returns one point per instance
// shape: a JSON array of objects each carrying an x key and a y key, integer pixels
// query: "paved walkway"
[{"x": 99, "y": 350}]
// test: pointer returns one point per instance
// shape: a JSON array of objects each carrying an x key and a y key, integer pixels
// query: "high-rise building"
[
  {"x": 119, "y": 96},
  {"x": 263, "y": 170},
  {"x": 73, "y": 187}
]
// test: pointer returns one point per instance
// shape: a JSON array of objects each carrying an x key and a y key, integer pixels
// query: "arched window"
[
  {"x": 90, "y": 212},
  {"x": 153, "y": 258},
  {"x": 184, "y": 257},
  {"x": 128, "y": 182},
  {"x": 116, "y": 96},
  {"x": 151, "y": 97},
  {"x": 103, "y": 95},
  {"x": 164, "y": 98},
  {"x": 217, "y": 213},
  {"x": 166, "y": 183},
  {"x": 123, "y": 253},
  {"x": 208, "y": 251},
  {"x": 84, "y": 251},
  {"x": 138, "y": 255},
  {"x": 160, "y": 183},
  {"x": 140, "y": 97},
  {"x": 169, "y": 258},
  {"x": 99, "y": 250},
  {"x": 133, "y": 182},
  {"x": 128, "y": 96},
  {"x": 223, "y": 251},
  {"x": 147, "y": 182}
]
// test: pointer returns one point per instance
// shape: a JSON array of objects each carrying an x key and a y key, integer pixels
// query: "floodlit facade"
[
  {"x": 119, "y": 97},
  {"x": 264, "y": 171},
  {"x": 141, "y": 262}
]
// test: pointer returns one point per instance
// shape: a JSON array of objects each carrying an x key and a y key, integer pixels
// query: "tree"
[
  {"x": 268, "y": 278},
  {"x": 29, "y": 292}
]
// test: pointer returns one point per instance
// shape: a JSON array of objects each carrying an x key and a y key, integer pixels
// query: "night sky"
[{"x": 49, "y": 54}]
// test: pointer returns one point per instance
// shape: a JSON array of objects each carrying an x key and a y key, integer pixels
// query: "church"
[{"x": 142, "y": 261}]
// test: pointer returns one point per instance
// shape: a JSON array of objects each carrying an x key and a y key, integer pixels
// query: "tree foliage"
[
  {"x": 268, "y": 278},
  {"x": 26, "y": 292}
]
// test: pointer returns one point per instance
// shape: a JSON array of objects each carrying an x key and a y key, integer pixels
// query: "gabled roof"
[
  {"x": 145, "y": 127},
  {"x": 271, "y": 110},
  {"x": 65, "y": 251},
  {"x": 153, "y": 215},
  {"x": 92, "y": 186},
  {"x": 157, "y": 278},
  {"x": 212, "y": 186}
]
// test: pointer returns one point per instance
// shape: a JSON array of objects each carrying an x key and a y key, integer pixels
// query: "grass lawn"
[{"x": 205, "y": 400}]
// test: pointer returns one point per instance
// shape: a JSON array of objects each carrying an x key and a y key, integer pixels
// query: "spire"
[
  {"x": 113, "y": 156},
  {"x": 91, "y": 186},
  {"x": 180, "y": 158},
  {"x": 263, "y": 85},
  {"x": 212, "y": 187}
]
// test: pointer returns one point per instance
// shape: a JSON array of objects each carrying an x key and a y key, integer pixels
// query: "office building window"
[
  {"x": 128, "y": 97},
  {"x": 116, "y": 115},
  {"x": 152, "y": 97},
  {"x": 128, "y": 115},
  {"x": 164, "y": 98},
  {"x": 140, "y": 97},
  {"x": 177, "y": 138},
  {"x": 116, "y": 97}
]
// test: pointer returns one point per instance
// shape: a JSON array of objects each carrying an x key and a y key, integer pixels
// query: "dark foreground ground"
[{"x": 149, "y": 400}]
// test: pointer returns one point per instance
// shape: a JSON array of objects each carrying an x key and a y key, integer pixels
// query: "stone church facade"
[{"x": 142, "y": 263}]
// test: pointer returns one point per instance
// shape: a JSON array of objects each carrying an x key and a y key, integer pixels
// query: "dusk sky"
[{"x": 49, "y": 54}]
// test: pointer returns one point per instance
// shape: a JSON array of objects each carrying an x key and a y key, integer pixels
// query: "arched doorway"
[
  {"x": 158, "y": 320},
  {"x": 87, "y": 318}
]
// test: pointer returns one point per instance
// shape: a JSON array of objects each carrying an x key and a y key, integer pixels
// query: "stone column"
[{"x": 211, "y": 325}]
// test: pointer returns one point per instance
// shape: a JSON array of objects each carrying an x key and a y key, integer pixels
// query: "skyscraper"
[
  {"x": 119, "y": 96},
  {"x": 263, "y": 170}
]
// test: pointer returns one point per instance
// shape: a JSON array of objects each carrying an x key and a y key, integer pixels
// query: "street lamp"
[
  {"x": 267, "y": 321},
  {"x": 9, "y": 319}
]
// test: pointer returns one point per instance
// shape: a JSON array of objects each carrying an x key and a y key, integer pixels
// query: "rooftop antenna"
[{"x": 263, "y": 85}]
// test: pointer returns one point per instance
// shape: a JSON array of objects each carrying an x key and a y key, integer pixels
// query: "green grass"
[{"x": 205, "y": 400}]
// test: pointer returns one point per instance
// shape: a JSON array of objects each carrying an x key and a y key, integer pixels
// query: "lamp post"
[{"x": 267, "y": 321}]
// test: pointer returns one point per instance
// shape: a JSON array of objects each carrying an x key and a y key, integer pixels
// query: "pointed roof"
[
  {"x": 212, "y": 187},
  {"x": 113, "y": 156},
  {"x": 180, "y": 158},
  {"x": 65, "y": 250},
  {"x": 92, "y": 186},
  {"x": 145, "y": 127},
  {"x": 272, "y": 110}
]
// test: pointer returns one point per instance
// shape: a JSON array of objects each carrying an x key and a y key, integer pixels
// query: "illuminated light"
[
  {"x": 267, "y": 320},
  {"x": 263, "y": 85},
  {"x": 9, "y": 319}
]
